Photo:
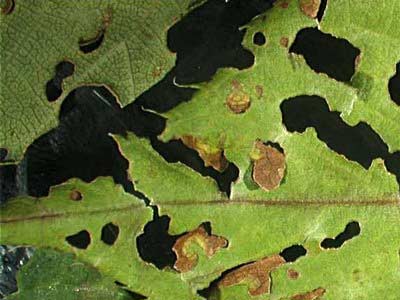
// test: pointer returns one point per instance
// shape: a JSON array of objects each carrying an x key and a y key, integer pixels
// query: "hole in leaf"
[
  {"x": 8, "y": 182},
  {"x": 259, "y": 38},
  {"x": 325, "y": 53},
  {"x": 7, "y": 7},
  {"x": 175, "y": 150},
  {"x": 155, "y": 243},
  {"x": 80, "y": 240},
  {"x": 54, "y": 85},
  {"x": 3, "y": 154},
  {"x": 358, "y": 143},
  {"x": 392, "y": 164},
  {"x": 109, "y": 233},
  {"x": 292, "y": 253},
  {"x": 321, "y": 10},
  {"x": 89, "y": 45},
  {"x": 352, "y": 229},
  {"x": 75, "y": 195},
  {"x": 394, "y": 86},
  {"x": 132, "y": 295}
]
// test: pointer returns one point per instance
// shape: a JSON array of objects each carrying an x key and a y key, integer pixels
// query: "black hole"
[
  {"x": 358, "y": 143},
  {"x": 3, "y": 154},
  {"x": 155, "y": 244},
  {"x": 392, "y": 164},
  {"x": 79, "y": 240},
  {"x": 54, "y": 85},
  {"x": 109, "y": 233},
  {"x": 80, "y": 145},
  {"x": 87, "y": 46},
  {"x": 132, "y": 295},
  {"x": 325, "y": 53},
  {"x": 352, "y": 229},
  {"x": 321, "y": 10},
  {"x": 259, "y": 39},
  {"x": 53, "y": 90},
  {"x": 8, "y": 182},
  {"x": 175, "y": 150},
  {"x": 394, "y": 86},
  {"x": 292, "y": 253}
]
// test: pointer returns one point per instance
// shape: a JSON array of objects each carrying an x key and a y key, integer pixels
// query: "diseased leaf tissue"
[{"x": 202, "y": 149}]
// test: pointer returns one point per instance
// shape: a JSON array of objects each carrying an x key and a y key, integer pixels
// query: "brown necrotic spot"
[
  {"x": 187, "y": 260},
  {"x": 64, "y": 69},
  {"x": 255, "y": 274},
  {"x": 259, "y": 38},
  {"x": 238, "y": 101},
  {"x": 310, "y": 7},
  {"x": 7, "y": 6},
  {"x": 259, "y": 91},
  {"x": 292, "y": 274},
  {"x": 211, "y": 155},
  {"x": 80, "y": 240},
  {"x": 269, "y": 165},
  {"x": 313, "y": 295},
  {"x": 284, "y": 41},
  {"x": 75, "y": 195},
  {"x": 352, "y": 229},
  {"x": 109, "y": 233}
]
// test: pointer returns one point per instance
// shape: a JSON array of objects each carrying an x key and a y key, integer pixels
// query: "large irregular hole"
[
  {"x": 358, "y": 143},
  {"x": 175, "y": 150},
  {"x": 54, "y": 85},
  {"x": 80, "y": 240},
  {"x": 352, "y": 229},
  {"x": 394, "y": 86},
  {"x": 155, "y": 244},
  {"x": 80, "y": 145},
  {"x": 325, "y": 53},
  {"x": 109, "y": 233},
  {"x": 292, "y": 253}
]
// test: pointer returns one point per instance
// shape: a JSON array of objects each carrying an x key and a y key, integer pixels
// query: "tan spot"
[
  {"x": 313, "y": 295},
  {"x": 212, "y": 156},
  {"x": 156, "y": 72},
  {"x": 259, "y": 91},
  {"x": 284, "y": 41},
  {"x": 284, "y": 4},
  {"x": 238, "y": 101},
  {"x": 185, "y": 260},
  {"x": 310, "y": 7},
  {"x": 75, "y": 195},
  {"x": 256, "y": 275},
  {"x": 269, "y": 167},
  {"x": 292, "y": 274}
]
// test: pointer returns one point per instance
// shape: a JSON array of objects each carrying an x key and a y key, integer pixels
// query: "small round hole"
[{"x": 259, "y": 39}]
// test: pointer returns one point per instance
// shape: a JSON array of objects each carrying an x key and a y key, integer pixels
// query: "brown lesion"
[
  {"x": 313, "y": 295},
  {"x": 310, "y": 7},
  {"x": 187, "y": 260},
  {"x": 255, "y": 274},
  {"x": 292, "y": 274},
  {"x": 269, "y": 166},
  {"x": 211, "y": 155},
  {"x": 238, "y": 101},
  {"x": 284, "y": 41},
  {"x": 7, "y": 6},
  {"x": 75, "y": 195}
]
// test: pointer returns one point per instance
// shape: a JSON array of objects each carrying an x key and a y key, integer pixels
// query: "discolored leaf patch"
[
  {"x": 256, "y": 274},
  {"x": 269, "y": 167},
  {"x": 238, "y": 101},
  {"x": 310, "y": 7},
  {"x": 212, "y": 156},
  {"x": 186, "y": 260},
  {"x": 313, "y": 295}
]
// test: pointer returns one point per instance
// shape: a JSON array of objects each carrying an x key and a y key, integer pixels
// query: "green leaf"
[
  {"x": 37, "y": 35},
  {"x": 53, "y": 275}
]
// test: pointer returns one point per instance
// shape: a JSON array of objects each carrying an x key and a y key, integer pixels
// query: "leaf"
[
  {"x": 46, "y": 222},
  {"x": 52, "y": 275},
  {"x": 37, "y": 35}
]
